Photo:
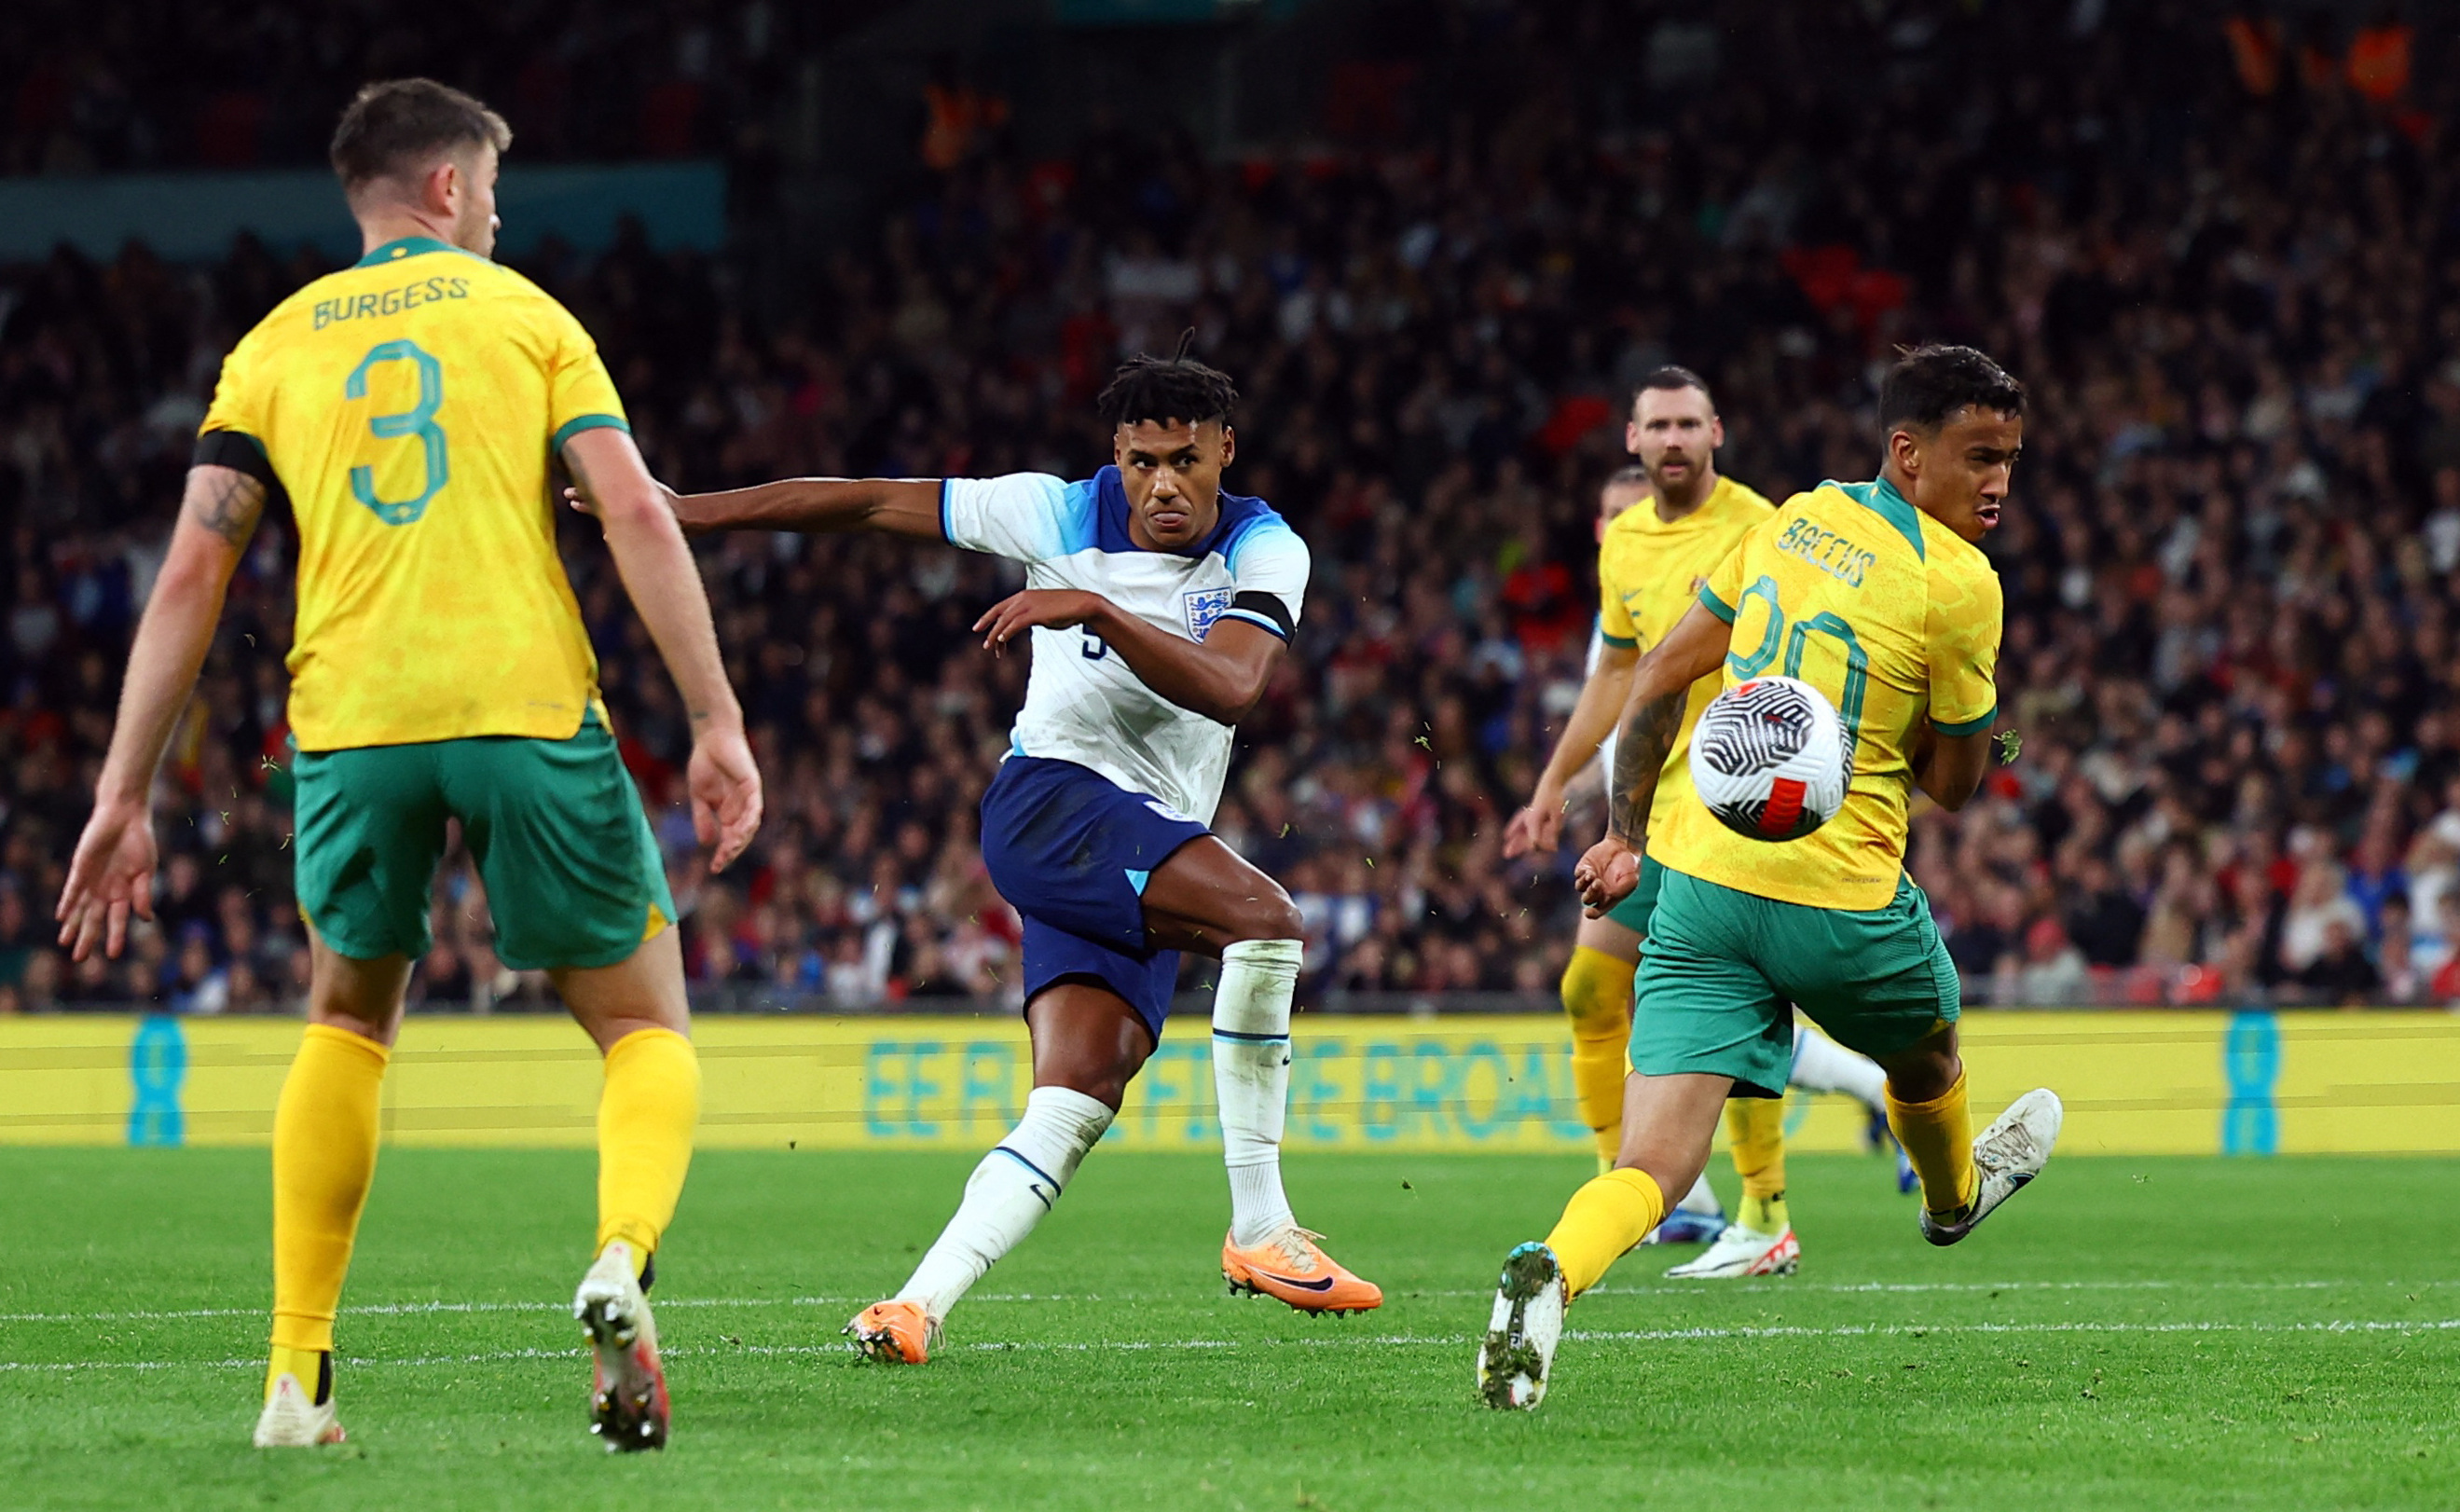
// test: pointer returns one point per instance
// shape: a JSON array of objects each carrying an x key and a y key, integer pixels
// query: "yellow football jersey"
[
  {"x": 1893, "y": 616},
  {"x": 409, "y": 405},
  {"x": 1649, "y": 574}
]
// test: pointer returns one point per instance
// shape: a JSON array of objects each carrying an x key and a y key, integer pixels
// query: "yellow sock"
[
  {"x": 1596, "y": 994},
  {"x": 1938, "y": 1137},
  {"x": 1755, "y": 1128},
  {"x": 309, "y": 1367},
  {"x": 324, "y": 1156},
  {"x": 1602, "y": 1222},
  {"x": 645, "y": 1136}
]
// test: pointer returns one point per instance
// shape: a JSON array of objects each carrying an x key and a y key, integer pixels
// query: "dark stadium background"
[{"x": 1435, "y": 243}]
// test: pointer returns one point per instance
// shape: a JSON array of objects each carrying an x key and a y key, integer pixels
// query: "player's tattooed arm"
[
  {"x": 1652, "y": 716},
  {"x": 111, "y": 876},
  {"x": 1648, "y": 739},
  {"x": 224, "y": 500}
]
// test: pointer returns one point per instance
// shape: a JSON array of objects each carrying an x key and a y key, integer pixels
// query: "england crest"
[{"x": 1203, "y": 608}]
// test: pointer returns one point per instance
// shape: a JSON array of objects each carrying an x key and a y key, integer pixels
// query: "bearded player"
[
  {"x": 1878, "y": 595},
  {"x": 1654, "y": 552},
  {"x": 1156, "y": 607}
]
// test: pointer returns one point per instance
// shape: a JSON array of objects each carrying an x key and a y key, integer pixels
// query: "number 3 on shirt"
[
  {"x": 1796, "y": 640},
  {"x": 418, "y": 420}
]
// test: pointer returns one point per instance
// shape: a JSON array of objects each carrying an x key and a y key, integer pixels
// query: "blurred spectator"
[{"x": 2231, "y": 567}]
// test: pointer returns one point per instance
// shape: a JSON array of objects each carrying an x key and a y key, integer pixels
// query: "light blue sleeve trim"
[
  {"x": 1072, "y": 513},
  {"x": 586, "y": 422},
  {"x": 1264, "y": 528},
  {"x": 943, "y": 511},
  {"x": 1251, "y": 617},
  {"x": 1970, "y": 727}
]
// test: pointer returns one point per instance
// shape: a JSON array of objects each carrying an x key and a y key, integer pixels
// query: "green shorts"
[
  {"x": 1722, "y": 966},
  {"x": 573, "y": 874},
  {"x": 1634, "y": 911}
]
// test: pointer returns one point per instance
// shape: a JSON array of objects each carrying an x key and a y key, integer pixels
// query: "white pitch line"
[
  {"x": 404, "y": 1308},
  {"x": 1765, "y": 1286},
  {"x": 1849, "y": 1330}
]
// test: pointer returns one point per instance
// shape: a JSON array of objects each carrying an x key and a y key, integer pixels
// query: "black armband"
[
  {"x": 1265, "y": 610},
  {"x": 241, "y": 453}
]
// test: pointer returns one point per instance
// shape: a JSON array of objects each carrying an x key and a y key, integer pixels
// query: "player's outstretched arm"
[
  {"x": 665, "y": 587},
  {"x": 1222, "y": 676},
  {"x": 896, "y": 507},
  {"x": 113, "y": 871},
  {"x": 1540, "y": 825},
  {"x": 1652, "y": 714}
]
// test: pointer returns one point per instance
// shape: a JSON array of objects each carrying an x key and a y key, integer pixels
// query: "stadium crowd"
[
  {"x": 146, "y": 85},
  {"x": 2231, "y": 568}
]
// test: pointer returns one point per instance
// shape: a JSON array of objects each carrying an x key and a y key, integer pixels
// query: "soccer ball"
[{"x": 1769, "y": 758}]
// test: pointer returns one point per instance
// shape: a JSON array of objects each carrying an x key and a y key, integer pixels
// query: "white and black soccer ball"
[{"x": 1769, "y": 758}]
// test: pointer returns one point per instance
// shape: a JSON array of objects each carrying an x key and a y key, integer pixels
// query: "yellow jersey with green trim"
[
  {"x": 409, "y": 406},
  {"x": 1896, "y": 619},
  {"x": 1649, "y": 574}
]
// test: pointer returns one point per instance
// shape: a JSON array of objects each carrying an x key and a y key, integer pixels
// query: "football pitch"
[{"x": 2166, "y": 1332}]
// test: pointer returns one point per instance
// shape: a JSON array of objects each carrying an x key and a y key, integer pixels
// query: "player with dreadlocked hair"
[{"x": 1158, "y": 607}]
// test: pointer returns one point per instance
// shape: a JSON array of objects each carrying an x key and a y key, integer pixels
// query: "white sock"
[
  {"x": 1007, "y": 1194},
  {"x": 1821, "y": 1064},
  {"x": 1251, "y": 1078},
  {"x": 1702, "y": 1198}
]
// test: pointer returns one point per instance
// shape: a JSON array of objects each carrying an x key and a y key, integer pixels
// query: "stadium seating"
[{"x": 2231, "y": 571}]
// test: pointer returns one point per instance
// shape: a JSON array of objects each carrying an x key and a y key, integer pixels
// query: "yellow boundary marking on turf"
[{"x": 1848, "y": 1331}]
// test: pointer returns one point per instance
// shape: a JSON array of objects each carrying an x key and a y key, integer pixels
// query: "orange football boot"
[
  {"x": 893, "y": 1334},
  {"x": 1292, "y": 1267}
]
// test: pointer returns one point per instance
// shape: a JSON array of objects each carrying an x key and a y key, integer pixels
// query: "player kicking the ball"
[
  {"x": 1877, "y": 595},
  {"x": 1157, "y": 607},
  {"x": 1653, "y": 554}
]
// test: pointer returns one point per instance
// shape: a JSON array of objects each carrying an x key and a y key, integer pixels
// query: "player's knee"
[
  {"x": 1923, "y": 1074},
  {"x": 1269, "y": 915},
  {"x": 1673, "y": 1173},
  {"x": 1597, "y": 989},
  {"x": 1104, "y": 1081},
  {"x": 1283, "y": 921}
]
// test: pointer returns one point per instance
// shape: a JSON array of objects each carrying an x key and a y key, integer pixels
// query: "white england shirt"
[{"x": 1082, "y": 704}]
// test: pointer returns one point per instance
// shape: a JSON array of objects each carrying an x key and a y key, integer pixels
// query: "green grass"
[{"x": 2057, "y": 1359}]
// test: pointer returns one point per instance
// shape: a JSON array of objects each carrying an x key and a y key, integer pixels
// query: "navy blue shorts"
[{"x": 1069, "y": 849}]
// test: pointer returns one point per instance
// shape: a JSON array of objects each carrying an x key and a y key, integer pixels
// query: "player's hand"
[
  {"x": 1607, "y": 875},
  {"x": 111, "y": 873},
  {"x": 725, "y": 786},
  {"x": 1538, "y": 827},
  {"x": 1058, "y": 608}
]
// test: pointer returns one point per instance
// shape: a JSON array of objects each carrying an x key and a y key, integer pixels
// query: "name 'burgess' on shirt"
[{"x": 391, "y": 302}]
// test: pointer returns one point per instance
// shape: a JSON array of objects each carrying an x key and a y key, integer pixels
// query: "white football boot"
[
  {"x": 2009, "y": 1154},
  {"x": 1741, "y": 1252},
  {"x": 294, "y": 1419},
  {"x": 627, "y": 1397},
  {"x": 1521, "y": 1333}
]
